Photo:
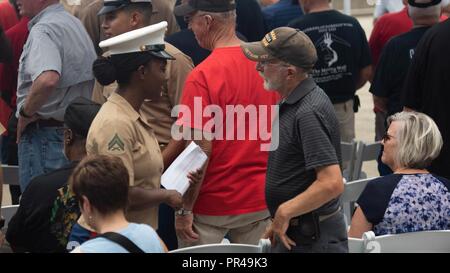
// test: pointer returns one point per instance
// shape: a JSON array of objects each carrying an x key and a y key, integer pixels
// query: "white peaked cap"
[{"x": 149, "y": 39}]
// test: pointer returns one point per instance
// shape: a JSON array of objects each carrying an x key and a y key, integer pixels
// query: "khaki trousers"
[
  {"x": 241, "y": 229},
  {"x": 346, "y": 117}
]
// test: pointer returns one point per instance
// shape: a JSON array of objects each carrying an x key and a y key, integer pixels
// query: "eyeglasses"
[{"x": 387, "y": 137}]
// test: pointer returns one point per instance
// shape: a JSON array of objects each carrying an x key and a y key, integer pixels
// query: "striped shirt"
[{"x": 308, "y": 138}]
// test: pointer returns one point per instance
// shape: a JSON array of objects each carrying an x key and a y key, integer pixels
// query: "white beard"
[{"x": 270, "y": 86}]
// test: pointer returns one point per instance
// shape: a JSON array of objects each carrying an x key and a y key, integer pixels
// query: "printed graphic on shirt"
[
  {"x": 331, "y": 66},
  {"x": 325, "y": 45},
  {"x": 116, "y": 145}
]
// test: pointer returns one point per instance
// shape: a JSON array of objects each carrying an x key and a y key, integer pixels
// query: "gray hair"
[{"x": 419, "y": 140}]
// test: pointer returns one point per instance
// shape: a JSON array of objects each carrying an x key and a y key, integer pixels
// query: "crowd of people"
[{"x": 95, "y": 93}]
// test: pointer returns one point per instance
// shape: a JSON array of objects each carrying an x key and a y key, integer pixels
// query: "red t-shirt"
[
  {"x": 17, "y": 35},
  {"x": 388, "y": 26},
  {"x": 235, "y": 179},
  {"x": 8, "y": 16}
]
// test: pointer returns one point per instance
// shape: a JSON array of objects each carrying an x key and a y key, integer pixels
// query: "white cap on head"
[{"x": 150, "y": 39}]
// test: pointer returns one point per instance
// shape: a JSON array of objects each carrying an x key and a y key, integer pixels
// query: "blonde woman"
[{"x": 411, "y": 199}]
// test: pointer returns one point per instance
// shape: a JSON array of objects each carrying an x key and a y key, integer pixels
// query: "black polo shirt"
[{"x": 308, "y": 138}]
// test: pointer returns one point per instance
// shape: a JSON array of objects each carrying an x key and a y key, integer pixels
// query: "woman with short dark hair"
[{"x": 101, "y": 184}]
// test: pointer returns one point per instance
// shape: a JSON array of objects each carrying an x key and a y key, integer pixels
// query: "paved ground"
[{"x": 365, "y": 118}]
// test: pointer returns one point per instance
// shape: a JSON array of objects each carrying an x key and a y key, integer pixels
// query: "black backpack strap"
[{"x": 122, "y": 241}]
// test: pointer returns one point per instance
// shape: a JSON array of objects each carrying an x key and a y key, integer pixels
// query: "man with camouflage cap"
[{"x": 304, "y": 180}]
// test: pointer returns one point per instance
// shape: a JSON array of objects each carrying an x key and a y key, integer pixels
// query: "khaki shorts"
[{"x": 241, "y": 229}]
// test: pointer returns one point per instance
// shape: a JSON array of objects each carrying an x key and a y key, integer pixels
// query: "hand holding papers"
[{"x": 176, "y": 176}]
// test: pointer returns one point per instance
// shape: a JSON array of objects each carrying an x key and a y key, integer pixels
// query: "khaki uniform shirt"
[
  {"x": 118, "y": 130},
  {"x": 2, "y": 129},
  {"x": 162, "y": 11},
  {"x": 75, "y": 7},
  {"x": 158, "y": 113}
]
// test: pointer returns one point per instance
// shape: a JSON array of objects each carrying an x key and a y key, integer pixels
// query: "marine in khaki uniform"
[
  {"x": 158, "y": 114},
  {"x": 120, "y": 129},
  {"x": 161, "y": 11},
  {"x": 119, "y": 18}
]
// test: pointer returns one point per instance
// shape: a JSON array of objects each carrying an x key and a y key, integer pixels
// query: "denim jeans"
[{"x": 40, "y": 152}]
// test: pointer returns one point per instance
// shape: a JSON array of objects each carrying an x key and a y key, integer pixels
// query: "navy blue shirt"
[
  {"x": 185, "y": 41},
  {"x": 281, "y": 13}
]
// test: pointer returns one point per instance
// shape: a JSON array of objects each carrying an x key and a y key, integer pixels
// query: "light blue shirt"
[
  {"x": 57, "y": 42},
  {"x": 142, "y": 235}
]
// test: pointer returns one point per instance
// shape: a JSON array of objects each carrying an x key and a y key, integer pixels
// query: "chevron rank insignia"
[{"x": 116, "y": 145}]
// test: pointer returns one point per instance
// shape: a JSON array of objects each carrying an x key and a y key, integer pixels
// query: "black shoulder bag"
[{"x": 122, "y": 241}]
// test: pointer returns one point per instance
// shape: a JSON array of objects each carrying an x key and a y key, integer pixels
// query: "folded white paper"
[{"x": 175, "y": 177}]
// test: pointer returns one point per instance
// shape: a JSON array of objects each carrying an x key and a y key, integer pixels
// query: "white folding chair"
[
  {"x": 263, "y": 247},
  {"x": 412, "y": 242},
  {"x": 10, "y": 174},
  {"x": 8, "y": 212},
  {"x": 352, "y": 191},
  {"x": 365, "y": 152},
  {"x": 355, "y": 245},
  {"x": 348, "y": 153}
]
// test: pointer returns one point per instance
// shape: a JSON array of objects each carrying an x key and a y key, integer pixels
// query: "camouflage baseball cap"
[{"x": 286, "y": 44}]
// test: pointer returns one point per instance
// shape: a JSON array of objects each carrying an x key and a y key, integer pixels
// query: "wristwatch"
[
  {"x": 22, "y": 112},
  {"x": 183, "y": 212}
]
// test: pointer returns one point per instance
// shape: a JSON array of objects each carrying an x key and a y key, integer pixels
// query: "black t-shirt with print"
[
  {"x": 393, "y": 67},
  {"x": 342, "y": 49}
]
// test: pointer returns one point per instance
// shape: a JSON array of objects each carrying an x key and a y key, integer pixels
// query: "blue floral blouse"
[{"x": 406, "y": 203}]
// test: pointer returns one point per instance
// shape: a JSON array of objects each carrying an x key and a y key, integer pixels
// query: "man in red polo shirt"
[{"x": 231, "y": 198}]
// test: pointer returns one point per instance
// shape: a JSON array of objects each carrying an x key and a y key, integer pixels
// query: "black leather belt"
[
  {"x": 45, "y": 123},
  {"x": 321, "y": 218}
]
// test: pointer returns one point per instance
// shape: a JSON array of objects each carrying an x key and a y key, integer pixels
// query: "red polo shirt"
[{"x": 234, "y": 181}]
